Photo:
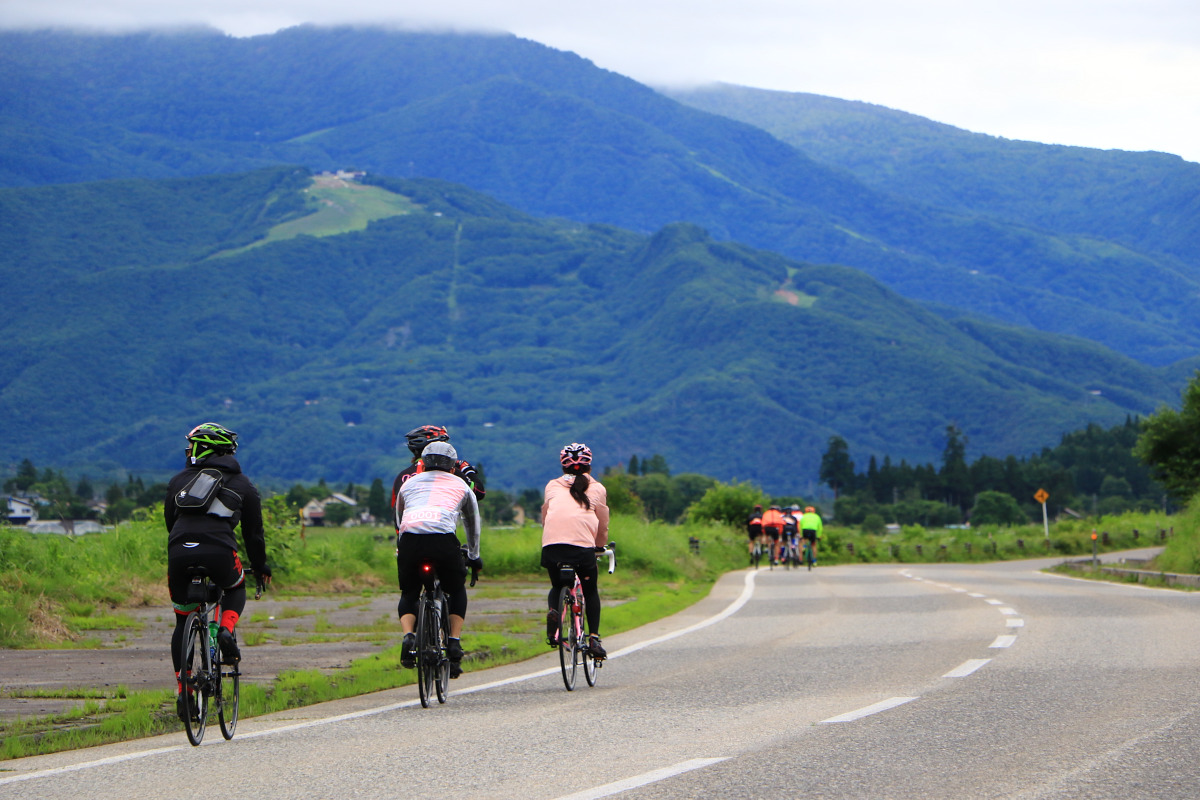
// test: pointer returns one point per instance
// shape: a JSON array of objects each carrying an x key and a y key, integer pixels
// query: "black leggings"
[
  {"x": 583, "y": 560},
  {"x": 442, "y": 551}
]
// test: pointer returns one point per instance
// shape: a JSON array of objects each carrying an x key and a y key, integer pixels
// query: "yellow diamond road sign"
[{"x": 1041, "y": 496}]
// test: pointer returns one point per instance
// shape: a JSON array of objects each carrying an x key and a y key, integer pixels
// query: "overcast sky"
[{"x": 1097, "y": 73}]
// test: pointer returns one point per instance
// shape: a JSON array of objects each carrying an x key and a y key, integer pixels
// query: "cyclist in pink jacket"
[{"x": 574, "y": 525}]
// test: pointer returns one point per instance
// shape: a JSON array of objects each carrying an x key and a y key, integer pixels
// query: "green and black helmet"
[{"x": 208, "y": 439}]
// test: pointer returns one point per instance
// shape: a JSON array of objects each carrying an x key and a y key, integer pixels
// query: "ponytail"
[{"x": 580, "y": 485}]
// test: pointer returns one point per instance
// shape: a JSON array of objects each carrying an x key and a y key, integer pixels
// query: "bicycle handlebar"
[
  {"x": 260, "y": 583},
  {"x": 609, "y": 548}
]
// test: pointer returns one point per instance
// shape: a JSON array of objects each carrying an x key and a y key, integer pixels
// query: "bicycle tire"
[
  {"x": 442, "y": 673},
  {"x": 568, "y": 642},
  {"x": 424, "y": 646},
  {"x": 194, "y": 667},
  {"x": 229, "y": 698},
  {"x": 585, "y": 652},
  {"x": 808, "y": 556}
]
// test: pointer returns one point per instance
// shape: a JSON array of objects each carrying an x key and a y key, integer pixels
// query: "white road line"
[
  {"x": 1015, "y": 623},
  {"x": 1003, "y": 641},
  {"x": 976, "y": 594},
  {"x": 89, "y": 764},
  {"x": 966, "y": 668},
  {"x": 609, "y": 789},
  {"x": 883, "y": 705},
  {"x": 1008, "y": 612},
  {"x": 732, "y": 608},
  {"x": 991, "y": 601}
]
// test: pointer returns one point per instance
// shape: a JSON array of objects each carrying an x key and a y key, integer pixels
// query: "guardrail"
[{"x": 1127, "y": 569}]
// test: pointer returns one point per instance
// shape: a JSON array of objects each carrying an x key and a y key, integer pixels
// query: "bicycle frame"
[{"x": 572, "y": 638}]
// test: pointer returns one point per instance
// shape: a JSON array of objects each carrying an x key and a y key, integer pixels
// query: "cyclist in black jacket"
[{"x": 205, "y": 536}]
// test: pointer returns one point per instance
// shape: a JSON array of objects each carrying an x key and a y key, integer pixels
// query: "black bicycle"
[
  {"x": 573, "y": 647},
  {"x": 433, "y": 636},
  {"x": 208, "y": 681}
]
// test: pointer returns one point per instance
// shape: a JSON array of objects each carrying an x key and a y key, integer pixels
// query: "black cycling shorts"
[
  {"x": 810, "y": 535},
  {"x": 222, "y": 563}
]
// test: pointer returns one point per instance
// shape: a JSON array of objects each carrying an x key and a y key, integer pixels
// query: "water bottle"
[{"x": 212, "y": 640}]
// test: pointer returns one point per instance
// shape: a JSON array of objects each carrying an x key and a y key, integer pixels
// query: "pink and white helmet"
[{"x": 575, "y": 454}]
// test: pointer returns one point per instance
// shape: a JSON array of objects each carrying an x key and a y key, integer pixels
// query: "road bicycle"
[
  {"x": 789, "y": 555},
  {"x": 433, "y": 636},
  {"x": 807, "y": 554},
  {"x": 207, "y": 680},
  {"x": 573, "y": 647}
]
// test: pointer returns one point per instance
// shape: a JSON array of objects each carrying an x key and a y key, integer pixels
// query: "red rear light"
[{"x": 427, "y": 567}]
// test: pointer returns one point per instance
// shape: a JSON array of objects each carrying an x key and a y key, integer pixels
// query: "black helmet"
[
  {"x": 417, "y": 438},
  {"x": 208, "y": 439},
  {"x": 440, "y": 456}
]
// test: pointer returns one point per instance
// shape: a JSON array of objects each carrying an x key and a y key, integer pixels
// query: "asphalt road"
[{"x": 872, "y": 681}]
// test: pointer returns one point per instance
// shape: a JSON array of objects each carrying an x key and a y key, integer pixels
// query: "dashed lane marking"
[{"x": 966, "y": 668}]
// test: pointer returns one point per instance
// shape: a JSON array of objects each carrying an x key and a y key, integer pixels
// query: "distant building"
[
  {"x": 313, "y": 513},
  {"x": 21, "y": 511}
]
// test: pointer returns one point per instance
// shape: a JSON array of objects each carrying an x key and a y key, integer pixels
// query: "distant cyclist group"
[
  {"x": 781, "y": 534},
  {"x": 430, "y": 498}
]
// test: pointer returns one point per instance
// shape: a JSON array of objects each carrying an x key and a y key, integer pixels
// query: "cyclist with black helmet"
[
  {"x": 429, "y": 506},
  {"x": 203, "y": 535},
  {"x": 416, "y": 439},
  {"x": 575, "y": 523},
  {"x": 772, "y": 528}
]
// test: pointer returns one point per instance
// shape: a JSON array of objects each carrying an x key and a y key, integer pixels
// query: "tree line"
[{"x": 1139, "y": 465}]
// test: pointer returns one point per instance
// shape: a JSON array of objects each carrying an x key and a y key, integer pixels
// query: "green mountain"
[
  {"x": 260, "y": 300},
  {"x": 1149, "y": 202},
  {"x": 549, "y": 133}
]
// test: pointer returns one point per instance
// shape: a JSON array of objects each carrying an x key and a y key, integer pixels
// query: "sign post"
[{"x": 1041, "y": 495}]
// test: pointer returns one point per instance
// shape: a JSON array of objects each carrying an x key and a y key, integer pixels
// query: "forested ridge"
[
  {"x": 518, "y": 333},
  {"x": 1068, "y": 240}
]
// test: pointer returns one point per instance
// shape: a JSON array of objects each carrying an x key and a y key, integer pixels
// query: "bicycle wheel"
[
  {"x": 425, "y": 646},
  {"x": 585, "y": 652},
  {"x": 228, "y": 698},
  {"x": 568, "y": 642},
  {"x": 442, "y": 672},
  {"x": 808, "y": 556},
  {"x": 194, "y": 666}
]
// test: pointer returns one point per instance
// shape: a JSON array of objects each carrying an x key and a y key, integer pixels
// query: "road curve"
[{"x": 922, "y": 681}]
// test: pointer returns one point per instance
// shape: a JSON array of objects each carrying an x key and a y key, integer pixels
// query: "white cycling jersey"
[{"x": 434, "y": 502}]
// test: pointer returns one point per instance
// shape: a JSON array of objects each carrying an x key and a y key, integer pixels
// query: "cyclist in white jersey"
[{"x": 429, "y": 507}]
